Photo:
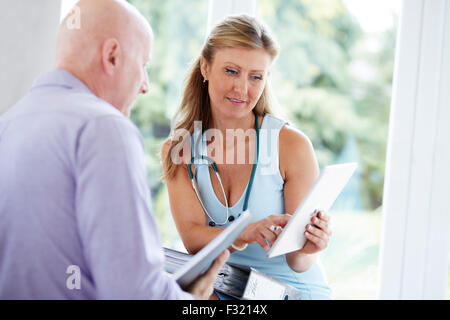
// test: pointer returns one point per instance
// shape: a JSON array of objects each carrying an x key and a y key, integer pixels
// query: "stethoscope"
[{"x": 228, "y": 218}]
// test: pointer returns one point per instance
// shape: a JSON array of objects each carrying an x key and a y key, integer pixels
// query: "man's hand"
[{"x": 202, "y": 288}]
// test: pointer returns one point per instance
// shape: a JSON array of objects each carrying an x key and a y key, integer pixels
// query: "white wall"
[
  {"x": 415, "y": 240},
  {"x": 28, "y": 33}
]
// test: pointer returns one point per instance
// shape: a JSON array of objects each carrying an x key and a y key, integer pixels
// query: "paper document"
[
  {"x": 321, "y": 196},
  {"x": 201, "y": 261},
  {"x": 238, "y": 281}
]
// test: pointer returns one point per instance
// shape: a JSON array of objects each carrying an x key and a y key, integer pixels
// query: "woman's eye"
[
  {"x": 230, "y": 71},
  {"x": 256, "y": 77}
]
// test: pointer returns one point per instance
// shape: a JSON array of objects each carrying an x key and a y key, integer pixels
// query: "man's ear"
[
  {"x": 111, "y": 54},
  {"x": 204, "y": 68}
]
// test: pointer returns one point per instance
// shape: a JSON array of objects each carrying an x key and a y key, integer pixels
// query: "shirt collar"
[{"x": 60, "y": 78}]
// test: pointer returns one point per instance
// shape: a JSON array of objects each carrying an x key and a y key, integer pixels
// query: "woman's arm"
[
  {"x": 187, "y": 212},
  {"x": 299, "y": 169}
]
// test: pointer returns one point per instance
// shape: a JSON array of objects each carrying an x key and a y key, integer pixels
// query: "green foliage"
[
  {"x": 178, "y": 38},
  {"x": 315, "y": 79}
]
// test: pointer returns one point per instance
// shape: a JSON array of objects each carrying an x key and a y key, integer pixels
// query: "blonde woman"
[{"x": 228, "y": 153}]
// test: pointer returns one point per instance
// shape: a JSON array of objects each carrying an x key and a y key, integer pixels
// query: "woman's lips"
[{"x": 236, "y": 102}]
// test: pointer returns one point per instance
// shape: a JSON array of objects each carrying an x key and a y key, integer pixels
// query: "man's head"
[{"x": 109, "y": 50}]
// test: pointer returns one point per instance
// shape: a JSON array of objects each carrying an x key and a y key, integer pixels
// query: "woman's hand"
[
  {"x": 318, "y": 234},
  {"x": 263, "y": 230}
]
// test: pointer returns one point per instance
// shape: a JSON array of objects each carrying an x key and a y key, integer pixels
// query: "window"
[
  {"x": 333, "y": 81},
  {"x": 178, "y": 38}
]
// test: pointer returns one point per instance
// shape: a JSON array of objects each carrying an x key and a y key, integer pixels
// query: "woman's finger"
[
  {"x": 268, "y": 234},
  {"x": 279, "y": 219},
  {"x": 262, "y": 242},
  {"x": 320, "y": 223},
  {"x": 317, "y": 232},
  {"x": 316, "y": 240},
  {"x": 323, "y": 216}
]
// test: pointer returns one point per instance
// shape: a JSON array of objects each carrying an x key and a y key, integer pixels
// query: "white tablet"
[
  {"x": 203, "y": 259},
  {"x": 321, "y": 196}
]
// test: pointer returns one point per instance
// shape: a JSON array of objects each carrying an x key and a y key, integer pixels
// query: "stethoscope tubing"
[{"x": 216, "y": 171}]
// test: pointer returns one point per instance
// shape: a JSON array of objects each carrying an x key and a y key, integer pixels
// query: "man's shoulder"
[
  {"x": 88, "y": 106},
  {"x": 67, "y": 113},
  {"x": 82, "y": 108},
  {"x": 99, "y": 114},
  {"x": 61, "y": 102}
]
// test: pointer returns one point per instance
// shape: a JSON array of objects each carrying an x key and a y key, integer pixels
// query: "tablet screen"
[{"x": 321, "y": 196}]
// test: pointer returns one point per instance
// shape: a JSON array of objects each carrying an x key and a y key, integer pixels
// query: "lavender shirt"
[{"x": 75, "y": 215}]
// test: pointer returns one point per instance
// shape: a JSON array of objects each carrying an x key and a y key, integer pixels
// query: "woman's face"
[{"x": 236, "y": 79}]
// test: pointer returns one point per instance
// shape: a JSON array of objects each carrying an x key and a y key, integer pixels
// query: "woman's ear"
[{"x": 204, "y": 68}]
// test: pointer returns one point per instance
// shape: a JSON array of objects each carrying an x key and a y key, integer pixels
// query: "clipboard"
[
  {"x": 322, "y": 195},
  {"x": 238, "y": 281},
  {"x": 201, "y": 261}
]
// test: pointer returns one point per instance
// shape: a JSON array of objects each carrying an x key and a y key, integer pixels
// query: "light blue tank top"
[{"x": 266, "y": 198}]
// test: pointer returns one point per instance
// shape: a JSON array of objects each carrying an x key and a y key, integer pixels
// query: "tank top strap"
[
  {"x": 268, "y": 153},
  {"x": 274, "y": 123},
  {"x": 198, "y": 147}
]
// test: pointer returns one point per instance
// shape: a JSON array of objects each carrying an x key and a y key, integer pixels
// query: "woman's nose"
[{"x": 241, "y": 85}]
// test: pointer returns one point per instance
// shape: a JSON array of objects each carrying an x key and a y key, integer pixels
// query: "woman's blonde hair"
[{"x": 234, "y": 31}]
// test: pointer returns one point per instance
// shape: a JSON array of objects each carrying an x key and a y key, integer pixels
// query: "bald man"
[{"x": 75, "y": 216}]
